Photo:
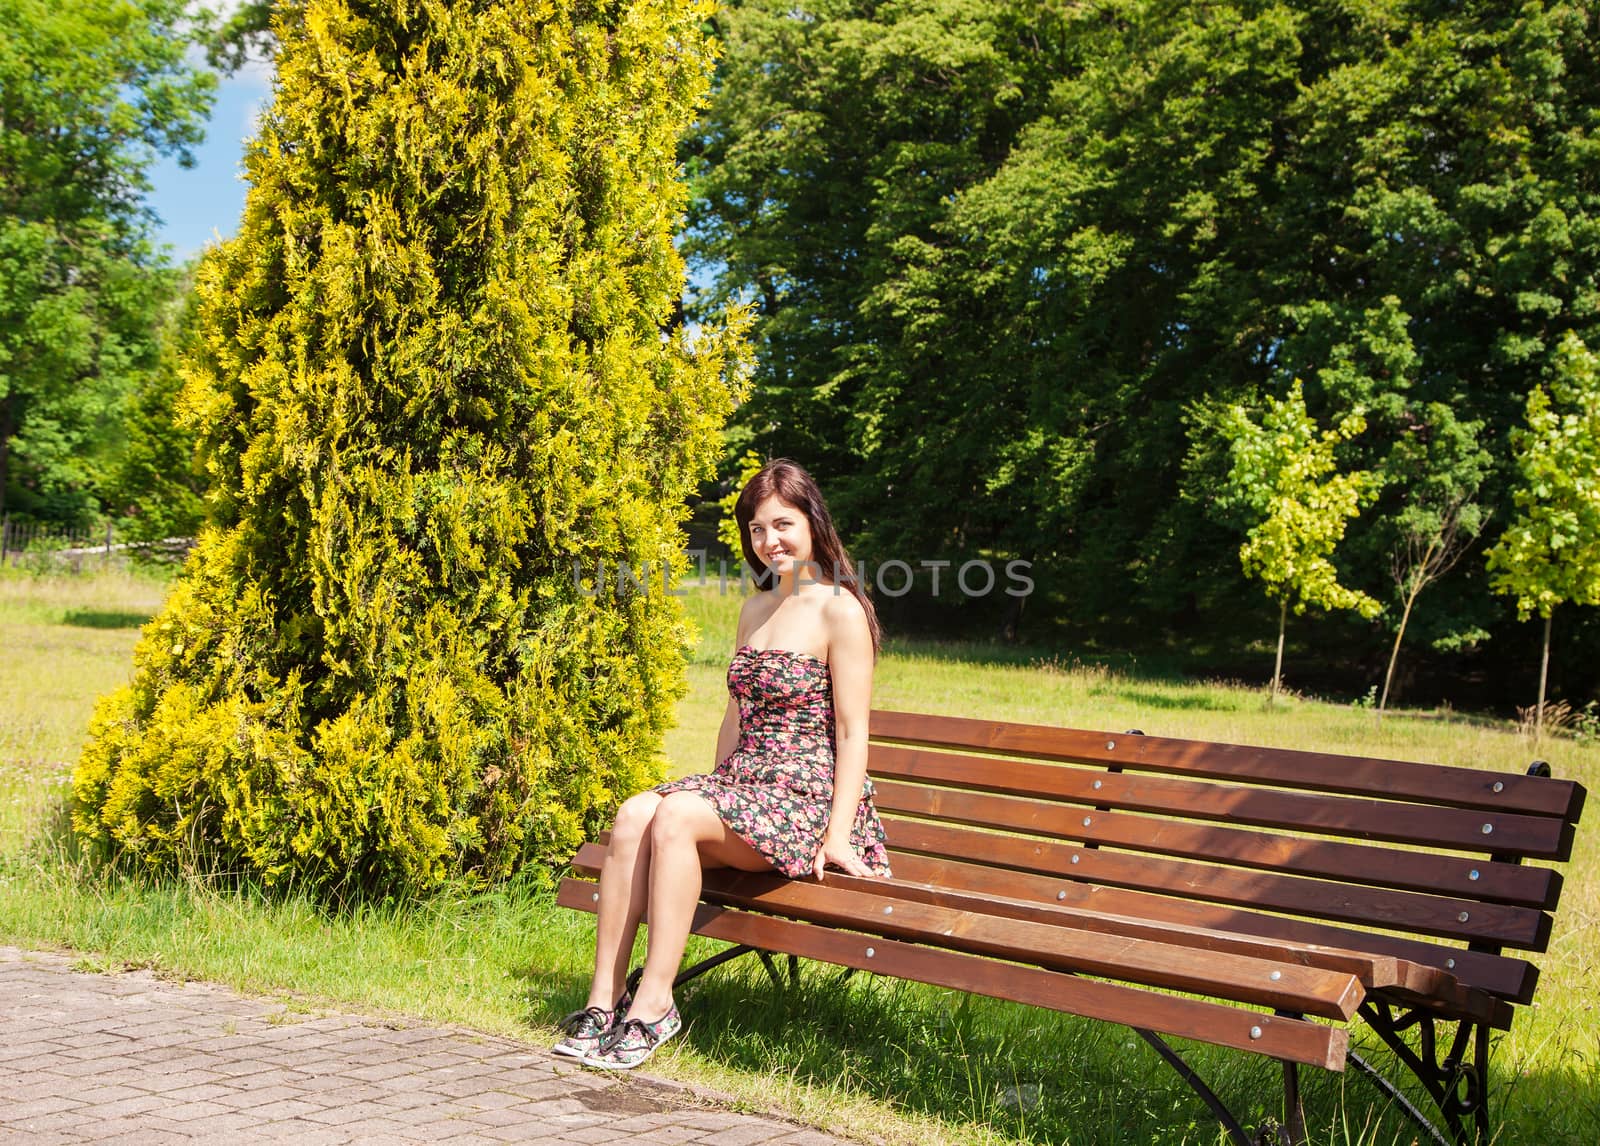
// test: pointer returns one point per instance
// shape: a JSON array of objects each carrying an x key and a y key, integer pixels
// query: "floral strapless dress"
[{"x": 775, "y": 789}]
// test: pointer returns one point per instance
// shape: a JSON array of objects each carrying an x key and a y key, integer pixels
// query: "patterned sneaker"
[
  {"x": 632, "y": 1041},
  {"x": 586, "y": 1029}
]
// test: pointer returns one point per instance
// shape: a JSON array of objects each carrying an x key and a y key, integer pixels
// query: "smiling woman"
[{"x": 789, "y": 792}]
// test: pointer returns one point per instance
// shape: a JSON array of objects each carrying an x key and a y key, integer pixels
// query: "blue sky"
[{"x": 203, "y": 204}]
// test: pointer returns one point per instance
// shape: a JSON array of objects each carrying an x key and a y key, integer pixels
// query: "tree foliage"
[
  {"x": 437, "y": 373},
  {"x": 1285, "y": 477},
  {"x": 1439, "y": 518},
  {"x": 727, "y": 523},
  {"x": 90, "y": 94},
  {"x": 153, "y": 485},
  {"x": 245, "y": 34},
  {"x": 1549, "y": 554},
  {"x": 1000, "y": 247}
]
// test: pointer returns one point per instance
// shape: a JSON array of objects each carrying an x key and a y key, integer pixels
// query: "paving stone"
[
  {"x": 144, "y": 1136},
  {"x": 102, "y": 1094},
  {"x": 747, "y": 1134},
  {"x": 190, "y": 1111},
  {"x": 409, "y": 1099},
  {"x": 130, "y": 1058},
  {"x": 61, "y": 1120}
]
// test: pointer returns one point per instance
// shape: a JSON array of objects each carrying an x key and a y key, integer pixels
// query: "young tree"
[
  {"x": 437, "y": 375},
  {"x": 1440, "y": 467},
  {"x": 1550, "y": 553},
  {"x": 90, "y": 95},
  {"x": 1284, "y": 476},
  {"x": 1431, "y": 540}
]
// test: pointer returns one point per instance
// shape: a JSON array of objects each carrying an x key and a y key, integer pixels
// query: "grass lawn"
[{"x": 867, "y": 1058}]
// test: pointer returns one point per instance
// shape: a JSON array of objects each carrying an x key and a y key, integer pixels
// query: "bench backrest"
[{"x": 1421, "y": 861}]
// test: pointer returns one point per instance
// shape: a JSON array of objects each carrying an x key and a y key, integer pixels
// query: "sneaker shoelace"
[
  {"x": 574, "y": 1023},
  {"x": 619, "y": 1034}
]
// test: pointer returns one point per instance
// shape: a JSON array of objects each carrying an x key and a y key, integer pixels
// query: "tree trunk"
[
  {"x": 1544, "y": 676},
  {"x": 1011, "y": 623},
  {"x": 1277, "y": 666},
  {"x": 1394, "y": 653}
]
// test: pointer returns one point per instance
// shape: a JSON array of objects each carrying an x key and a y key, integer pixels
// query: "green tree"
[
  {"x": 245, "y": 34},
  {"x": 153, "y": 485},
  {"x": 90, "y": 94},
  {"x": 437, "y": 379},
  {"x": 1440, "y": 468},
  {"x": 999, "y": 248},
  {"x": 1549, "y": 554},
  {"x": 1285, "y": 477},
  {"x": 840, "y": 135}
]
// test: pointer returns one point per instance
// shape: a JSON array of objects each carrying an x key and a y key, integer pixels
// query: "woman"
[{"x": 789, "y": 792}]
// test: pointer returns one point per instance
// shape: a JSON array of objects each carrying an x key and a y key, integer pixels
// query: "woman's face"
[{"x": 780, "y": 534}]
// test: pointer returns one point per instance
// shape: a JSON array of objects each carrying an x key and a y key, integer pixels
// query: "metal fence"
[{"x": 19, "y": 537}]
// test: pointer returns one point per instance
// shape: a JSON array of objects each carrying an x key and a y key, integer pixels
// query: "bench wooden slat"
[
  {"x": 1505, "y": 976},
  {"x": 1296, "y": 811},
  {"x": 1296, "y": 895},
  {"x": 1150, "y": 963},
  {"x": 1385, "y": 973},
  {"x": 1287, "y": 768},
  {"x": 1107, "y": 954},
  {"x": 1295, "y": 1040},
  {"x": 1032, "y": 898}
]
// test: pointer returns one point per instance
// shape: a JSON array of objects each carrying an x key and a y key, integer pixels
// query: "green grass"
[{"x": 865, "y": 1057}]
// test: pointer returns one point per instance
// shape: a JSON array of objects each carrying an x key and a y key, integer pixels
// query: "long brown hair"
[{"x": 791, "y": 484}]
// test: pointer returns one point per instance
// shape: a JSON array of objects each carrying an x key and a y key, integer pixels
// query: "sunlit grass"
[
  {"x": 863, "y": 1056},
  {"x": 64, "y": 640}
]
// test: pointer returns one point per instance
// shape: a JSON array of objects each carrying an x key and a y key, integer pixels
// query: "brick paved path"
[{"x": 131, "y": 1059}]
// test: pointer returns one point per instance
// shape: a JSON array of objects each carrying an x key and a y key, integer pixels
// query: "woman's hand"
[{"x": 838, "y": 852}]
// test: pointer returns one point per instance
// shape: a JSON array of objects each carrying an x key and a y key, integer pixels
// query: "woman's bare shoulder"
[
  {"x": 756, "y": 609},
  {"x": 844, "y": 616}
]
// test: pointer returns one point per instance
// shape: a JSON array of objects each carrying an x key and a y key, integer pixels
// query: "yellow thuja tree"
[{"x": 436, "y": 374}]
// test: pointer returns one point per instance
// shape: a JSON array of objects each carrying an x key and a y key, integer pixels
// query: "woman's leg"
[
  {"x": 624, "y": 889},
  {"x": 686, "y": 836}
]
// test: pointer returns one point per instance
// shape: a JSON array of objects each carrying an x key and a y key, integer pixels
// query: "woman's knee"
[
  {"x": 634, "y": 817},
  {"x": 679, "y": 820}
]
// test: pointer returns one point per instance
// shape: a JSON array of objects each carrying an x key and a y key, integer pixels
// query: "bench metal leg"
[
  {"x": 1292, "y": 1131},
  {"x": 771, "y": 965},
  {"x": 1198, "y": 1085},
  {"x": 1458, "y": 1082},
  {"x": 1398, "y": 1097},
  {"x": 699, "y": 968}
]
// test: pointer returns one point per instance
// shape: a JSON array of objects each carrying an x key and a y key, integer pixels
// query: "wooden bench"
[{"x": 1253, "y": 898}]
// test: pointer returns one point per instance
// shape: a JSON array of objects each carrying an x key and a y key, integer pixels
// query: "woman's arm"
[
  {"x": 850, "y": 662},
  {"x": 728, "y": 733}
]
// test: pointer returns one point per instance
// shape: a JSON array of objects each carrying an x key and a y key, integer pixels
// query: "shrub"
[{"x": 437, "y": 371}]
